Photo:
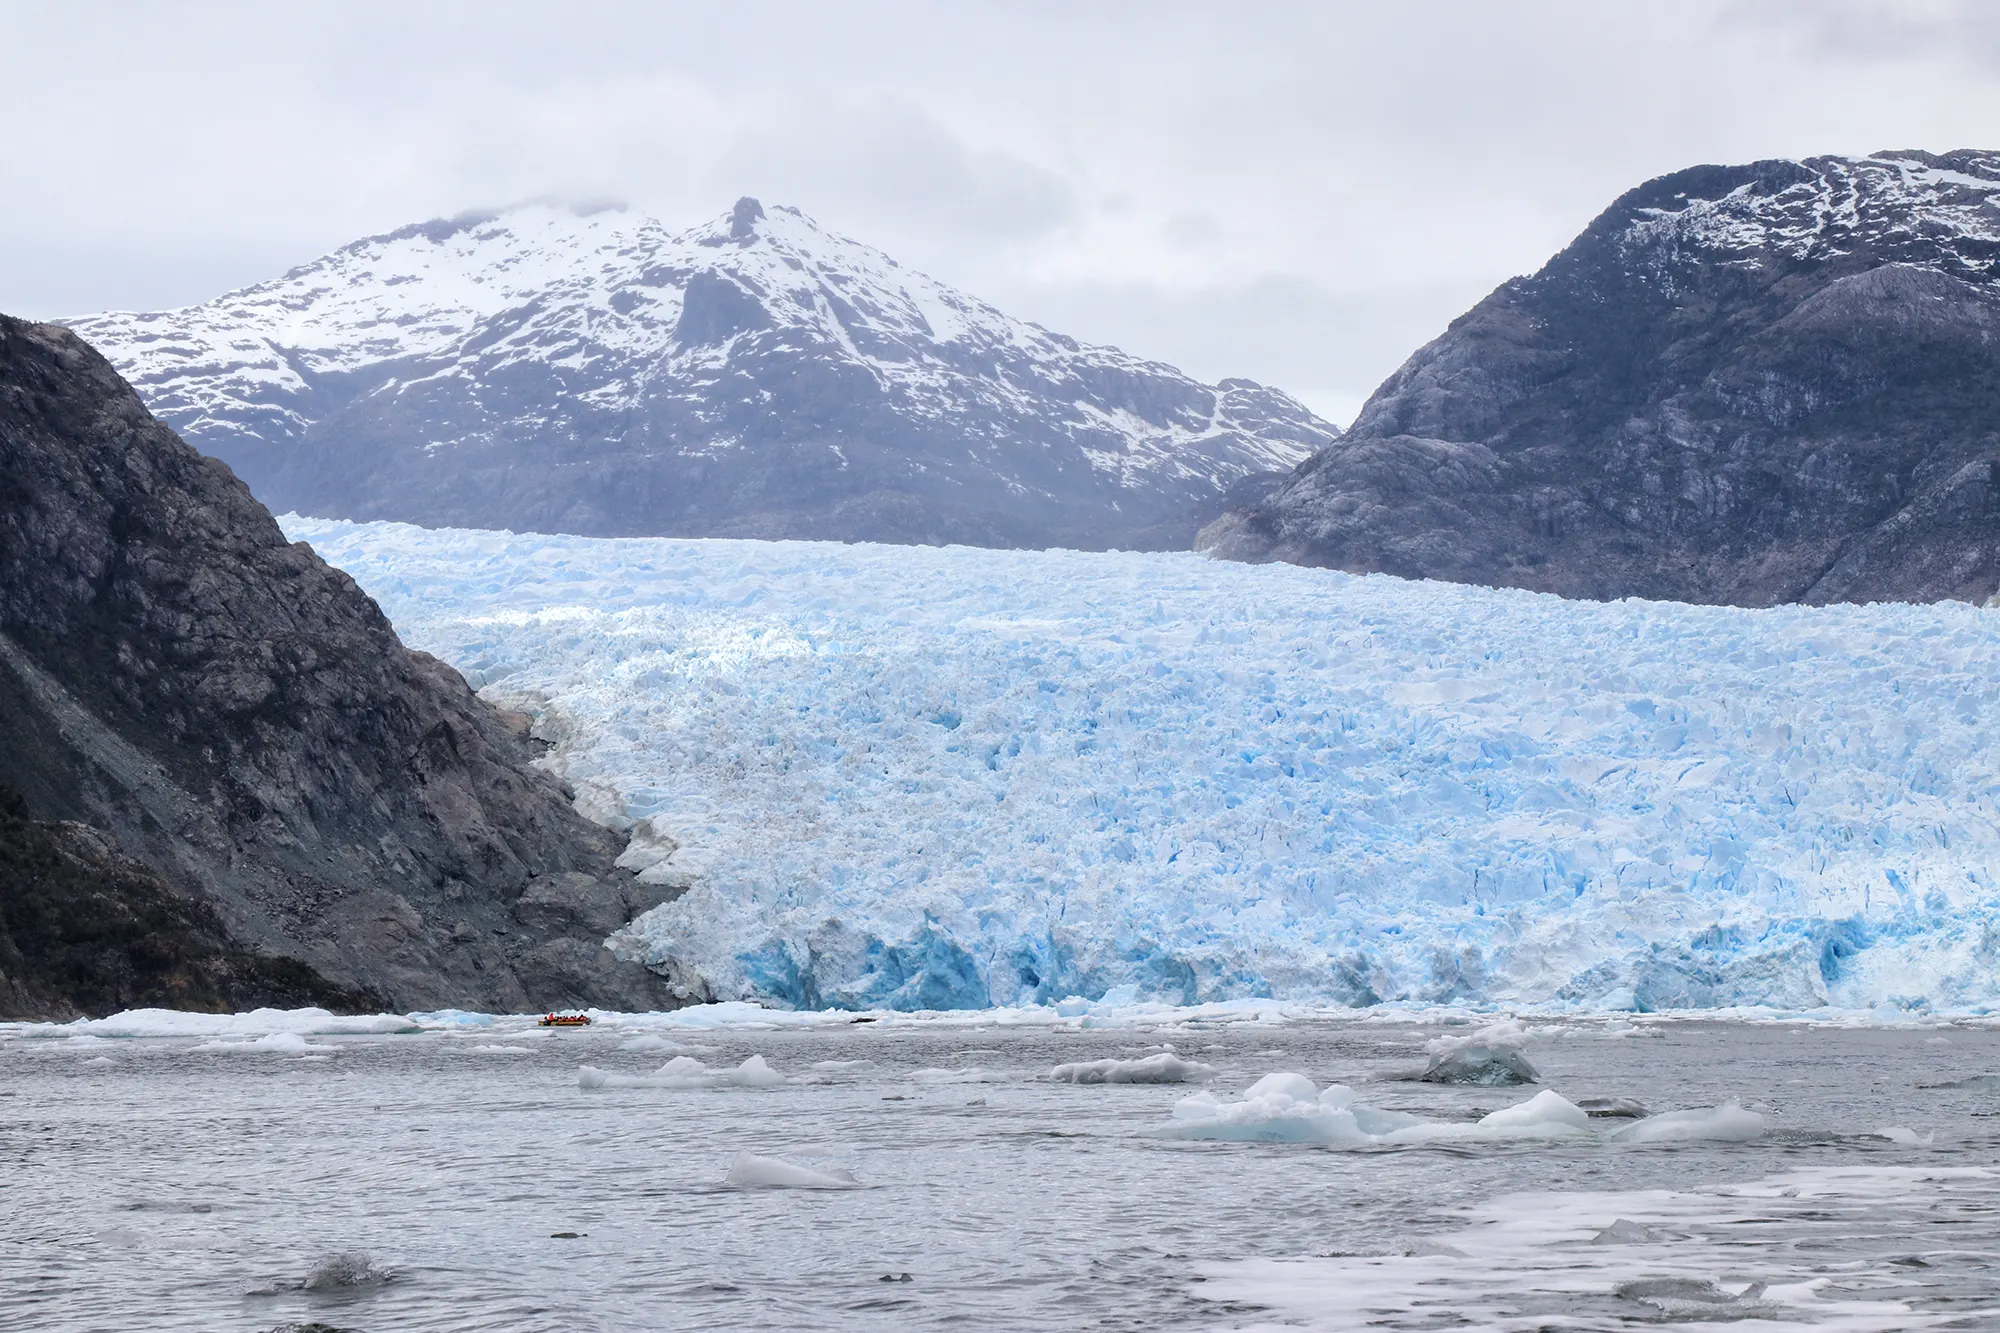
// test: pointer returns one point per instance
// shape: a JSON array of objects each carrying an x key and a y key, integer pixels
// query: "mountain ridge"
[
  {"x": 756, "y": 375},
  {"x": 1753, "y": 384}
]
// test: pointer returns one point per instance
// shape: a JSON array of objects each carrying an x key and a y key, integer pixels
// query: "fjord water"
[{"x": 148, "y": 1184}]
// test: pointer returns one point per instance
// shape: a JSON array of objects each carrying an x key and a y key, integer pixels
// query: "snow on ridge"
[
  {"x": 604, "y": 292},
  {"x": 1842, "y": 197},
  {"x": 922, "y": 778}
]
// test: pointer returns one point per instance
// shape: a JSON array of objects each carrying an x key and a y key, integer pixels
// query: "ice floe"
[
  {"x": 685, "y": 1072},
  {"x": 1490, "y": 1057},
  {"x": 1287, "y": 1107},
  {"x": 1164, "y": 1067},
  {"x": 276, "y": 1043},
  {"x": 1799, "y": 1251},
  {"x": 1727, "y": 1123},
  {"x": 750, "y": 1171}
]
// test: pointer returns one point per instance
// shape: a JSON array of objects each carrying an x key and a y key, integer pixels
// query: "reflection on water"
[{"x": 928, "y": 1177}]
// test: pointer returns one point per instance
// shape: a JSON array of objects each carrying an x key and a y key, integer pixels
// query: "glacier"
[{"x": 947, "y": 778}]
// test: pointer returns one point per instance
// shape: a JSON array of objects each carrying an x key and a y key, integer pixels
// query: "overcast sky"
[{"x": 1300, "y": 193}]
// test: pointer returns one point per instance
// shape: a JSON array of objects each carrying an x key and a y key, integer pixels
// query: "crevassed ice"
[{"x": 942, "y": 778}]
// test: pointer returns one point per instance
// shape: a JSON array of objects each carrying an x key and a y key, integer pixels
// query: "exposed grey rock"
[
  {"x": 757, "y": 376},
  {"x": 227, "y": 709},
  {"x": 1748, "y": 385}
]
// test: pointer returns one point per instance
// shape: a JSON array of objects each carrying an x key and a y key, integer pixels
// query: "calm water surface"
[{"x": 176, "y": 1189}]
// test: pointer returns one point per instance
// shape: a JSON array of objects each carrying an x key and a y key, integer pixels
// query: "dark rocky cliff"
[
  {"x": 304, "y": 808},
  {"x": 1751, "y": 385}
]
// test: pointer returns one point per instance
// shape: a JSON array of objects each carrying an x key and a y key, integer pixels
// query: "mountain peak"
[
  {"x": 744, "y": 217},
  {"x": 756, "y": 375}
]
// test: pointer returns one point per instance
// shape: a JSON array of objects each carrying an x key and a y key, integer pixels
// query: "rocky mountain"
[
  {"x": 1756, "y": 384},
  {"x": 223, "y": 780},
  {"x": 758, "y": 376}
]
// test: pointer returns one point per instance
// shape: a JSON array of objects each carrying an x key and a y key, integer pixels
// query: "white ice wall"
[{"x": 938, "y": 778}]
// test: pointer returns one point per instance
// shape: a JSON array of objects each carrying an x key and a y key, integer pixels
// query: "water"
[{"x": 175, "y": 1189}]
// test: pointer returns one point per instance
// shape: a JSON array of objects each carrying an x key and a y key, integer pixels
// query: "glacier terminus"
[{"x": 951, "y": 778}]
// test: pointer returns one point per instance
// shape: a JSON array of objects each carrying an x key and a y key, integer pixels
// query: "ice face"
[{"x": 915, "y": 778}]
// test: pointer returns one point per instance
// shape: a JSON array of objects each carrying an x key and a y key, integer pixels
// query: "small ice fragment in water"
[
  {"x": 1686, "y": 1296},
  {"x": 749, "y": 1171},
  {"x": 1166, "y": 1067},
  {"x": 101, "y": 1062},
  {"x": 1545, "y": 1108},
  {"x": 1625, "y": 1231},
  {"x": 501, "y": 1050},
  {"x": 276, "y": 1043},
  {"x": 651, "y": 1043},
  {"x": 339, "y": 1272},
  {"x": 971, "y": 1074},
  {"x": 1727, "y": 1123},
  {"x": 1909, "y": 1138},
  {"x": 1613, "y": 1108},
  {"x": 1972, "y": 1083},
  {"x": 1490, "y": 1057},
  {"x": 684, "y": 1072}
]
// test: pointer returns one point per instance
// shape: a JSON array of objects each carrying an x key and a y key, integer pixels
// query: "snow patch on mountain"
[
  {"x": 946, "y": 778},
  {"x": 565, "y": 339}
]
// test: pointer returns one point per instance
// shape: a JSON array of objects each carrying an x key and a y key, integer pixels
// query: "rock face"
[
  {"x": 756, "y": 377},
  {"x": 301, "y": 806},
  {"x": 1748, "y": 385}
]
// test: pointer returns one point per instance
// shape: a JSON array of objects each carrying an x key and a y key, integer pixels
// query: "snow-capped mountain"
[
  {"x": 591, "y": 372},
  {"x": 1751, "y": 384}
]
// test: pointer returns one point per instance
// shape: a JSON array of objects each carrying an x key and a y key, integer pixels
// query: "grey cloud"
[{"x": 1130, "y": 172}]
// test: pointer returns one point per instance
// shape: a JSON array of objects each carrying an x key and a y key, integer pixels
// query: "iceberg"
[
  {"x": 1727, "y": 1123},
  {"x": 749, "y": 1171},
  {"x": 1287, "y": 1108},
  {"x": 685, "y": 1072},
  {"x": 906, "y": 778},
  {"x": 1165, "y": 1067},
  {"x": 1491, "y": 1057}
]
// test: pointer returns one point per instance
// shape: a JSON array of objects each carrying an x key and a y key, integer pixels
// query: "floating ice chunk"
[
  {"x": 1546, "y": 1109},
  {"x": 1909, "y": 1138},
  {"x": 452, "y": 1018},
  {"x": 684, "y": 1072},
  {"x": 341, "y": 1272},
  {"x": 1490, "y": 1057},
  {"x": 1073, "y": 1007},
  {"x": 256, "y": 1023},
  {"x": 970, "y": 1074},
  {"x": 277, "y": 1043},
  {"x": 841, "y": 1066},
  {"x": 501, "y": 1050},
  {"x": 1971, "y": 1083},
  {"x": 1625, "y": 1231},
  {"x": 651, "y": 1043},
  {"x": 1285, "y": 1108},
  {"x": 1677, "y": 1296},
  {"x": 100, "y": 1062},
  {"x": 1727, "y": 1123},
  {"x": 749, "y": 1171},
  {"x": 1166, "y": 1067}
]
